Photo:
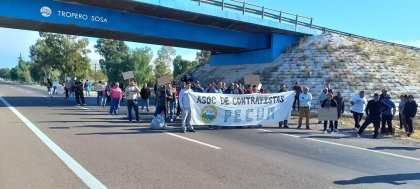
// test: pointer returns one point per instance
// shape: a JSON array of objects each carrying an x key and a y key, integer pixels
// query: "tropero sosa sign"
[{"x": 240, "y": 110}]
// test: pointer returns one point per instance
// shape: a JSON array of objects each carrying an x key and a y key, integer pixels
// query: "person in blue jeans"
[
  {"x": 144, "y": 97},
  {"x": 185, "y": 104},
  {"x": 387, "y": 116},
  {"x": 171, "y": 102}
]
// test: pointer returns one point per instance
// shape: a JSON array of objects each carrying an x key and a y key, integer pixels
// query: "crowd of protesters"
[{"x": 172, "y": 102}]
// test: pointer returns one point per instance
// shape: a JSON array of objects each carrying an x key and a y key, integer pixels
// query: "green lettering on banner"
[
  {"x": 228, "y": 114},
  {"x": 237, "y": 116},
  {"x": 247, "y": 119}
]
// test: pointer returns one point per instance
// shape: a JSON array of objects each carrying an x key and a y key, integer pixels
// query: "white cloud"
[{"x": 415, "y": 43}]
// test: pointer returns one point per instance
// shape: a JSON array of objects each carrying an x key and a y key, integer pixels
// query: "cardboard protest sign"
[
  {"x": 164, "y": 80},
  {"x": 128, "y": 75},
  {"x": 252, "y": 79},
  {"x": 327, "y": 114}
]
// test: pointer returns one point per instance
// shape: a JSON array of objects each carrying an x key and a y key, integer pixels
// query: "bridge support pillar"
[{"x": 278, "y": 45}]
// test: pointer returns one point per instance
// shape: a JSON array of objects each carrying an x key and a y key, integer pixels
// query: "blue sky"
[{"x": 391, "y": 20}]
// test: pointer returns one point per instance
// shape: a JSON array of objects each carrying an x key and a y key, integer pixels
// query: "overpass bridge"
[{"x": 232, "y": 37}]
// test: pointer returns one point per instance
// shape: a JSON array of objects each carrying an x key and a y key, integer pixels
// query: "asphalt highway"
[{"x": 51, "y": 143}]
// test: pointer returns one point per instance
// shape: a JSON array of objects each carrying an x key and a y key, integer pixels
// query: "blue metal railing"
[{"x": 283, "y": 16}]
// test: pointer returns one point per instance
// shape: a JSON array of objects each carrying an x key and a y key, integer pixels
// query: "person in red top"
[{"x": 116, "y": 95}]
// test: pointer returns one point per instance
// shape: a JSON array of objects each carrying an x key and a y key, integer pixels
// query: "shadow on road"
[
  {"x": 329, "y": 136},
  {"x": 394, "y": 148},
  {"x": 31, "y": 101},
  {"x": 395, "y": 179}
]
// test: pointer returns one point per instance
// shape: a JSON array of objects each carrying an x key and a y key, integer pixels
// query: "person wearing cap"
[
  {"x": 387, "y": 116},
  {"x": 197, "y": 88},
  {"x": 374, "y": 108},
  {"x": 410, "y": 111},
  {"x": 305, "y": 99},
  {"x": 184, "y": 103},
  {"x": 358, "y": 108}
]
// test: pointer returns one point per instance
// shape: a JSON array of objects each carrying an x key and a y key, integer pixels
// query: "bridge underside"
[
  {"x": 99, "y": 33},
  {"x": 231, "y": 42}
]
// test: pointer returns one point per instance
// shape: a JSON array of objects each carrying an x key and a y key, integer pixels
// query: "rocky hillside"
[{"x": 348, "y": 64}]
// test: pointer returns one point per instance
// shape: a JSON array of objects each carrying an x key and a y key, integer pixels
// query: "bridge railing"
[
  {"x": 263, "y": 12},
  {"x": 282, "y": 16}
]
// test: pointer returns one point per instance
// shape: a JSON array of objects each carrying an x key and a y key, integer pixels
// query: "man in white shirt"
[
  {"x": 131, "y": 92},
  {"x": 359, "y": 103},
  {"x": 99, "y": 88},
  {"x": 184, "y": 103},
  {"x": 305, "y": 99}
]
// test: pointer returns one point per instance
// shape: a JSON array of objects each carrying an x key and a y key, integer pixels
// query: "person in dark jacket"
[
  {"x": 409, "y": 112},
  {"x": 373, "y": 111},
  {"x": 297, "y": 90},
  {"x": 161, "y": 101},
  {"x": 329, "y": 103},
  {"x": 197, "y": 88},
  {"x": 340, "y": 109},
  {"x": 145, "y": 95},
  {"x": 284, "y": 122},
  {"x": 78, "y": 89}
]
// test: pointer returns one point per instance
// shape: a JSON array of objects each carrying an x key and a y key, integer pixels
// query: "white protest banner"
[
  {"x": 327, "y": 114},
  {"x": 240, "y": 110},
  {"x": 128, "y": 75}
]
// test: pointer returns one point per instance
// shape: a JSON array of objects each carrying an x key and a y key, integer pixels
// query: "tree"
[
  {"x": 22, "y": 70},
  {"x": 60, "y": 53},
  {"x": 181, "y": 66},
  {"x": 140, "y": 59},
  {"x": 115, "y": 54},
  {"x": 163, "y": 60},
  {"x": 13, "y": 74},
  {"x": 203, "y": 57},
  {"x": 5, "y": 73}
]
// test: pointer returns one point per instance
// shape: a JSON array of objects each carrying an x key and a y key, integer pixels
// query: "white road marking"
[
  {"x": 348, "y": 146},
  {"x": 196, "y": 141},
  {"x": 81, "y": 172},
  {"x": 265, "y": 130},
  {"x": 364, "y": 149}
]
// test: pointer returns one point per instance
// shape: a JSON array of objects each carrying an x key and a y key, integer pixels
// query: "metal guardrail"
[{"x": 283, "y": 16}]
